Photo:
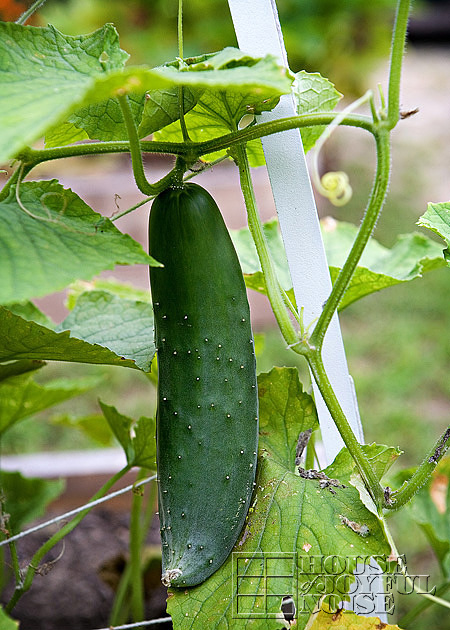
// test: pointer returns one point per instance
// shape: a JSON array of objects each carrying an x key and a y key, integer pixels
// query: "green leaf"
[
  {"x": 47, "y": 77},
  {"x": 248, "y": 256},
  {"x": 379, "y": 268},
  {"x": 110, "y": 285},
  {"x": 381, "y": 459},
  {"x": 161, "y": 109},
  {"x": 218, "y": 113},
  {"x": 313, "y": 93},
  {"x": 27, "y": 340},
  {"x": 410, "y": 257},
  {"x": 6, "y": 623},
  {"x": 99, "y": 121},
  {"x": 124, "y": 326},
  {"x": 136, "y": 438},
  {"x": 54, "y": 239},
  {"x": 19, "y": 367},
  {"x": 30, "y": 312},
  {"x": 284, "y": 411},
  {"x": 26, "y": 498},
  {"x": 21, "y": 397},
  {"x": 437, "y": 219},
  {"x": 292, "y": 520},
  {"x": 94, "y": 426},
  {"x": 43, "y": 72}
]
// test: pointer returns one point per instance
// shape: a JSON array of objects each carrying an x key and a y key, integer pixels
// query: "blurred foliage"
[{"x": 342, "y": 40}]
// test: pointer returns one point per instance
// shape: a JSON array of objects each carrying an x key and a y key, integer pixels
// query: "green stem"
[
  {"x": 365, "y": 469},
  {"x": 121, "y": 607},
  {"x": 137, "y": 590},
  {"x": 421, "y": 607},
  {"x": 15, "y": 564},
  {"x": 400, "y": 497},
  {"x": 56, "y": 538},
  {"x": 274, "y": 291},
  {"x": 136, "y": 156},
  {"x": 281, "y": 124},
  {"x": 29, "y": 12},
  {"x": 374, "y": 207},
  {"x": 32, "y": 157},
  {"x": 395, "y": 70}
]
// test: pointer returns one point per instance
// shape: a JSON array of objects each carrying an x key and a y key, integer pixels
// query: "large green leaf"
[
  {"x": 218, "y": 113},
  {"x": 21, "y": 339},
  {"x": 25, "y": 499},
  {"x": 136, "y": 438},
  {"x": 437, "y": 219},
  {"x": 124, "y": 326},
  {"x": 379, "y": 268},
  {"x": 21, "y": 397},
  {"x": 43, "y": 72},
  {"x": 53, "y": 238},
  {"x": 292, "y": 522},
  {"x": 47, "y": 77}
]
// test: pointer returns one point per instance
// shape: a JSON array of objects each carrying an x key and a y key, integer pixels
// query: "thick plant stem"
[
  {"x": 422, "y": 474},
  {"x": 397, "y": 51},
  {"x": 372, "y": 213},
  {"x": 136, "y": 156},
  {"x": 33, "y": 157},
  {"x": 274, "y": 291},
  {"x": 56, "y": 538},
  {"x": 365, "y": 469}
]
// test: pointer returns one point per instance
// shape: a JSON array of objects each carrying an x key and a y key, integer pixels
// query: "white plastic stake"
[{"x": 258, "y": 32}]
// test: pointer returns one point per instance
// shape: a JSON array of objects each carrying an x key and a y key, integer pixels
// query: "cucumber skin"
[{"x": 207, "y": 417}]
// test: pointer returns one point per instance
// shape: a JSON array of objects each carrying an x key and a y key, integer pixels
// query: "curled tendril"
[{"x": 336, "y": 187}]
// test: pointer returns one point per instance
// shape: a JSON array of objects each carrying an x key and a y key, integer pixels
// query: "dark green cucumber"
[{"x": 207, "y": 418}]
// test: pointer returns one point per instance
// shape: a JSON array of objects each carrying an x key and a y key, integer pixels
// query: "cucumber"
[{"x": 207, "y": 416}]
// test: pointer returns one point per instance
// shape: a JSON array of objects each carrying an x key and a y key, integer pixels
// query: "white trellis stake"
[{"x": 259, "y": 33}]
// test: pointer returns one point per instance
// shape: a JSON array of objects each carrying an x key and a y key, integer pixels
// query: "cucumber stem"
[
  {"x": 136, "y": 156},
  {"x": 274, "y": 292}
]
